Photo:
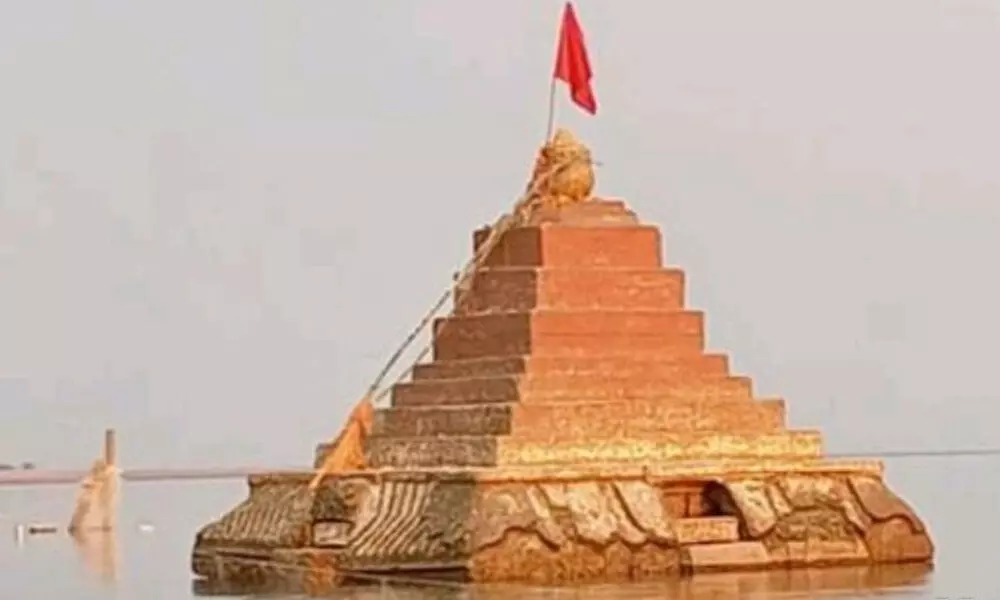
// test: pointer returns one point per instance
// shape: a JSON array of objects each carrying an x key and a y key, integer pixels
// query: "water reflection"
[
  {"x": 800, "y": 583},
  {"x": 98, "y": 549}
]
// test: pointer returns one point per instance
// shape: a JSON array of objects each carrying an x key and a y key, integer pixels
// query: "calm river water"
[{"x": 956, "y": 496}]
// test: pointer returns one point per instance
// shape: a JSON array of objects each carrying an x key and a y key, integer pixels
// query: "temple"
[{"x": 572, "y": 427}]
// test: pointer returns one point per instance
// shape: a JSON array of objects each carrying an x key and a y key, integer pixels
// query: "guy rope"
[{"x": 347, "y": 449}]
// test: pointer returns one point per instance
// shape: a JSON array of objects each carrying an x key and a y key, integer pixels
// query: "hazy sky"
[{"x": 217, "y": 219}]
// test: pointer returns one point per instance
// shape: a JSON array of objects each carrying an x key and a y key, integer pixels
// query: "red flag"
[{"x": 572, "y": 65}]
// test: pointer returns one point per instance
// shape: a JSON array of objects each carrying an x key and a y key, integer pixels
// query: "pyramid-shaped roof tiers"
[{"x": 572, "y": 344}]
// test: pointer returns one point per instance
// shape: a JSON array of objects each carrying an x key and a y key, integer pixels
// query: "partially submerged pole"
[
  {"x": 110, "y": 448},
  {"x": 109, "y": 489},
  {"x": 95, "y": 503}
]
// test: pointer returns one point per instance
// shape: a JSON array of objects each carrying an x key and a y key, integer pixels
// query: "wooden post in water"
[
  {"x": 109, "y": 487},
  {"x": 92, "y": 525},
  {"x": 110, "y": 448},
  {"x": 97, "y": 498}
]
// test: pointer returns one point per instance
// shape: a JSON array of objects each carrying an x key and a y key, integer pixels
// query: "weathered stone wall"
[
  {"x": 551, "y": 529},
  {"x": 662, "y": 365},
  {"x": 524, "y": 289},
  {"x": 569, "y": 333},
  {"x": 552, "y": 422},
  {"x": 557, "y": 246}
]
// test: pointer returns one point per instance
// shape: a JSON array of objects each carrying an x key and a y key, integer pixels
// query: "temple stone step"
[
  {"x": 707, "y": 530},
  {"x": 732, "y": 556},
  {"x": 664, "y": 366},
  {"x": 638, "y": 246},
  {"x": 566, "y": 389},
  {"x": 487, "y": 451},
  {"x": 608, "y": 212},
  {"x": 568, "y": 333},
  {"x": 585, "y": 421},
  {"x": 521, "y": 289}
]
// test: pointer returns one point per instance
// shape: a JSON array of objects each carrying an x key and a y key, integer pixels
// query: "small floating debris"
[
  {"x": 146, "y": 527},
  {"x": 42, "y": 529},
  {"x": 19, "y": 531}
]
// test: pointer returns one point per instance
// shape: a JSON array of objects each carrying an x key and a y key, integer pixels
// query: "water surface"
[{"x": 955, "y": 496}]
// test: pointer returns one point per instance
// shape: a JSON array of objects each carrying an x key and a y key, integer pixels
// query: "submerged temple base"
[
  {"x": 737, "y": 585},
  {"x": 571, "y": 427},
  {"x": 547, "y": 527}
]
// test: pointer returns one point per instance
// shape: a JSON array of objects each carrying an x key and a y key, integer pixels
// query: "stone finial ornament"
[{"x": 570, "y": 170}]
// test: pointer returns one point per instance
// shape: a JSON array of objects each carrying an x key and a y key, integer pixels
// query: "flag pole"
[{"x": 552, "y": 110}]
